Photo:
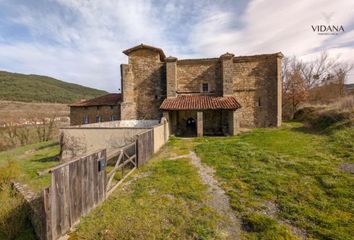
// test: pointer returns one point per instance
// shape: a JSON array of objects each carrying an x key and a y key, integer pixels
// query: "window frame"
[{"x": 207, "y": 87}]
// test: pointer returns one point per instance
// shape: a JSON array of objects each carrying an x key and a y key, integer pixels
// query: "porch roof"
[{"x": 200, "y": 102}]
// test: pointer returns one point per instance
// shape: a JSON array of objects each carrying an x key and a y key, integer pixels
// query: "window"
[
  {"x": 98, "y": 107},
  {"x": 98, "y": 119},
  {"x": 112, "y": 107},
  {"x": 205, "y": 87},
  {"x": 114, "y": 118},
  {"x": 85, "y": 120},
  {"x": 259, "y": 102}
]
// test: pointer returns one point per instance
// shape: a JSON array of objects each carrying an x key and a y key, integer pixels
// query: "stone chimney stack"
[
  {"x": 227, "y": 73},
  {"x": 171, "y": 76}
]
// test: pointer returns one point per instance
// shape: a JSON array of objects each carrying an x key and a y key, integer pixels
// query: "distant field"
[
  {"x": 10, "y": 110},
  {"x": 36, "y": 88},
  {"x": 17, "y": 122}
]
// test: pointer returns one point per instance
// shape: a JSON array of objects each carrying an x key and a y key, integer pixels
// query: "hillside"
[{"x": 36, "y": 88}]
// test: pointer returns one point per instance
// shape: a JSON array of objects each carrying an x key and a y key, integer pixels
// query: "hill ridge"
[{"x": 39, "y": 88}]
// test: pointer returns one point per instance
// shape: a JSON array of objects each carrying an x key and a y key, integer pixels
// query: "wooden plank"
[
  {"x": 91, "y": 187},
  {"x": 70, "y": 162},
  {"x": 59, "y": 200},
  {"x": 66, "y": 221},
  {"x": 120, "y": 182},
  {"x": 102, "y": 177},
  {"x": 84, "y": 167},
  {"x": 76, "y": 189},
  {"x": 47, "y": 214},
  {"x": 95, "y": 177}
]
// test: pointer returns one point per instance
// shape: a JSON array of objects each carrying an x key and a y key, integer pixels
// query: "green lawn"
[
  {"x": 21, "y": 164},
  {"x": 287, "y": 175},
  {"x": 165, "y": 200},
  {"x": 282, "y": 183}
]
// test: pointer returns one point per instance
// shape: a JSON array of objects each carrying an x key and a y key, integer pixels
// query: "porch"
[{"x": 195, "y": 115}]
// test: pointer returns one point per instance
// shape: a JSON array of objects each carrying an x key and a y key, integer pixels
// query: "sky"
[{"x": 81, "y": 41}]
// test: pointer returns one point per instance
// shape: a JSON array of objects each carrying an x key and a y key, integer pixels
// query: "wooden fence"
[
  {"x": 145, "y": 147},
  {"x": 78, "y": 186}
]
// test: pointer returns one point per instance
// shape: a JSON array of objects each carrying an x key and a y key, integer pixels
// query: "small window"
[
  {"x": 98, "y": 107},
  {"x": 259, "y": 102},
  {"x": 205, "y": 87},
  {"x": 114, "y": 118},
  {"x": 85, "y": 120},
  {"x": 98, "y": 119},
  {"x": 112, "y": 107}
]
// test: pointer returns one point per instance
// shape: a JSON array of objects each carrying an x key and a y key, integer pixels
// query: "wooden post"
[{"x": 200, "y": 124}]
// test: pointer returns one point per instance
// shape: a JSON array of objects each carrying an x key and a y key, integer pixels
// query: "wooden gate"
[
  {"x": 79, "y": 185},
  {"x": 118, "y": 162},
  {"x": 76, "y": 188}
]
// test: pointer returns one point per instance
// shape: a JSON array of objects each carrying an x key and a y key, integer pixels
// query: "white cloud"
[{"x": 82, "y": 41}]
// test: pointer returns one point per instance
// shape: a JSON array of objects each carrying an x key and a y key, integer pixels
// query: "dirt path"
[{"x": 230, "y": 226}]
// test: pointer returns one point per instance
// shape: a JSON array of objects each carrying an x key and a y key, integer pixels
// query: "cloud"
[{"x": 82, "y": 41}]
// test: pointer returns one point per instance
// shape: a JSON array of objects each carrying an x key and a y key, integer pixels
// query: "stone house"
[
  {"x": 210, "y": 96},
  {"x": 100, "y": 109}
]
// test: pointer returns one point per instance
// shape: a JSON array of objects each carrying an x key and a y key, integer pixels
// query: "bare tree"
[
  {"x": 44, "y": 125},
  {"x": 10, "y": 132},
  {"x": 294, "y": 87}
]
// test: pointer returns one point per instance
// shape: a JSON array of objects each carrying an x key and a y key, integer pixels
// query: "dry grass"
[
  {"x": 339, "y": 113},
  {"x": 22, "y": 123},
  {"x": 10, "y": 110}
]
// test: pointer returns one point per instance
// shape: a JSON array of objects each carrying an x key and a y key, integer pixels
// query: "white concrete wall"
[
  {"x": 161, "y": 135},
  {"x": 121, "y": 123},
  {"x": 80, "y": 140}
]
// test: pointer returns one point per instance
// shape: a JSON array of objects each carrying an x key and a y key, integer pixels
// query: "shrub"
[
  {"x": 13, "y": 209},
  {"x": 336, "y": 115}
]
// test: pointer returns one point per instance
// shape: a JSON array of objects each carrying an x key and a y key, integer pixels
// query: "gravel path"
[{"x": 218, "y": 200}]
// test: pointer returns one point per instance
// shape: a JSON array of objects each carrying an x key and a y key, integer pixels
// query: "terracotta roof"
[
  {"x": 143, "y": 46},
  {"x": 199, "y": 102},
  {"x": 109, "y": 99}
]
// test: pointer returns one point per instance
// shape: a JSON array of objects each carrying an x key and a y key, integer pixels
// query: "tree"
[{"x": 294, "y": 87}]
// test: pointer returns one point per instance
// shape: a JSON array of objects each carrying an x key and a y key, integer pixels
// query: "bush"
[
  {"x": 14, "y": 211},
  {"x": 336, "y": 115}
]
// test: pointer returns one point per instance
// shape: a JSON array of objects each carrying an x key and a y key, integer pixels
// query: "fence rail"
[{"x": 120, "y": 159}]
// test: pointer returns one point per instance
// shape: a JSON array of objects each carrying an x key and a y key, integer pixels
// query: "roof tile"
[{"x": 200, "y": 102}]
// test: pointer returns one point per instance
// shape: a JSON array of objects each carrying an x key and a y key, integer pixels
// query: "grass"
[
  {"x": 164, "y": 200},
  {"x": 36, "y": 88},
  {"x": 21, "y": 164},
  {"x": 287, "y": 175},
  {"x": 29, "y": 160},
  {"x": 283, "y": 183}
]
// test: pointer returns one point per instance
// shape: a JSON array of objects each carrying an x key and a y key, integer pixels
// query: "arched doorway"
[{"x": 191, "y": 128}]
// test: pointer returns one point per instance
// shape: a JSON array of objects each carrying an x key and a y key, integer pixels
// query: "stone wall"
[
  {"x": 256, "y": 87},
  {"x": 191, "y": 74},
  {"x": 77, "y": 114},
  {"x": 149, "y": 80},
  {"x": 255, "y": 81}
]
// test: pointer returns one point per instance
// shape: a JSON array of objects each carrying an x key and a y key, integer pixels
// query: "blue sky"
[{"x": 81, "y": 41}]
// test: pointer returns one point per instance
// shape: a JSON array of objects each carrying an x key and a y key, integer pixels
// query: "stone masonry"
[{"x": 255, "y": 81}]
